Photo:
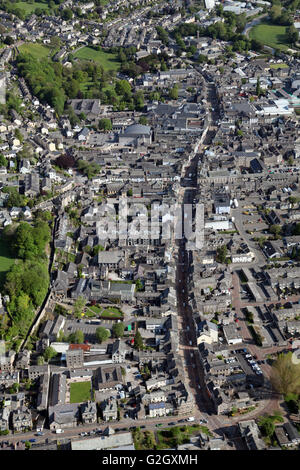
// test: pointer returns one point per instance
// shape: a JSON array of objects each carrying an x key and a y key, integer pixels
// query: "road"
[
  {"x": 254, "y": 23},
  {"x": 188, "y": 342}
]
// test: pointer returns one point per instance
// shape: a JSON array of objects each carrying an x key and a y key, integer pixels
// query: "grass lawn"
[
  {"x": 278, "y": 66},
  {"x": 270, "y": 35},
  {"x": 29, "y": 8},
  {"x": 80, "y": 392},
  {"x": 110, "y": 312},
  {"x": 6, "y": 261},
  {"x": 107, "y": 60},
  {"x": 171, "y": 437},
  {"x": 107, "y": 312},
  {"x": 37, "y": 50}
]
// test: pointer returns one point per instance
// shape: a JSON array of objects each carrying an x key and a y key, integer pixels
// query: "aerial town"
[{"x": 149, "y": 225}]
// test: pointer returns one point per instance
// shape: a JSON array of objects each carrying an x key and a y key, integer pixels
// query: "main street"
[{"x": 188, "y": 342}]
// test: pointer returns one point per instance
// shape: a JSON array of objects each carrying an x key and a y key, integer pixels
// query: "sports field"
[
  {"x": 270, "y": 35},
  {"x": 107, "y": 60}
]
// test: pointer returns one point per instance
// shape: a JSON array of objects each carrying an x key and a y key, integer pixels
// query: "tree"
[
  {"x": 8, "y": 40},
  {"x": 14, "y": 388},
  {"x": 40, "y": 361},
  {"x": 292, "y": 34},
  {"x": 143, "y": 120},
  {"x": 139, "y": 285},
  {"x": 77, "y": 337},
  {"x": 49, "y": 353},
  {"x": 105, "y": 124},
  {"x": 138, "y": 341},
  {"x": 221, "y": 254},
  {"x": 123, "y": 88},
  {"x": 79, "y": 305},
  {"x": 3, "y": 161},
  {"x": 285, "y": 375},
  {"x": 293, "y": 200},
  {"x": 275, "y": 230},
  {"x": 267, "y": 426},
  {"x": 118, "y": 330},
  {"x": 258, "y": 88},
  {"x": 67, "y": 14},
  {"x": 173, "y": 92},
  {"x": 102, "y": 334}
]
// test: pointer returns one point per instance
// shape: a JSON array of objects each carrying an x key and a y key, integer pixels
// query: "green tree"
[
  {"x": 138, "y": 341},
  {"x": 105, "y": 124},
  {"x": 139, "y": 285},
  {"x": 173, "y": 92},
  {"x": 77, "y": 337},
  {"x": 221, "y": 254},
  {"x": 49, "y": 353},
  {"x": 292, "y": 34},
  {"x": 102, "y": 334},
  {"x": 3, "y": 161},
  {"x": 79, "y": 305},
  {"x": 40, "y": 361},
  {"x": 275, "y": 230},
  {"x": 143, "y": 120},
  {"x": 285, "y": 375},
  {"x": 123, "y": 88},
  {"x": 118, "y": 329}
]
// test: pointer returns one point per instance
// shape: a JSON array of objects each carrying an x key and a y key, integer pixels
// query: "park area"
[
  {"x": 274, "y": 36},
  {"x": 166, "y": 438},
  {"x": 111, "y": 312},
  {"x": 29, "y": 8},
  {"x": 105, "y": 59},
  {"x": 80, "y": 392},
  {"x": 36, "y": 50}
]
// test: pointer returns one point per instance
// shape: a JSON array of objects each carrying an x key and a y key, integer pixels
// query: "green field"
[
  {"x": 80, "y": 392},
  {"x": 270, "y": 35},
  {"x": 29, "y": 8},
  {"x": 5, "y": 261},
  {"x": 112, "y": 312},
  {"x": 278, "y": 66},
  {"x": 107, "y": 60},
  {"x": 37, "y": 50}
]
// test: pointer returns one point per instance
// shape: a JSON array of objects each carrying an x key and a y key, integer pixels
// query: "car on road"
[
  {"x": 142, "y": 427},
  {"x": 172, "y": 424},
  {"x": 158, "y": 424},
  {"x": 39, "y": 434},
  {"x": 32, "y": 440}
]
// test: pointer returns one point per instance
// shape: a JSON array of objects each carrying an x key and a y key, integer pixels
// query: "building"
[
  {"x": 88, "y": 412},
  {"x": 231, "y": 334},
  {"x": 157, "y": 409},
  {"x": 207, "y": 332},
  {"x": 109, "y": 410},
  {"x": 21, "y": 419},
  {"x": 75, "y": 359}
]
